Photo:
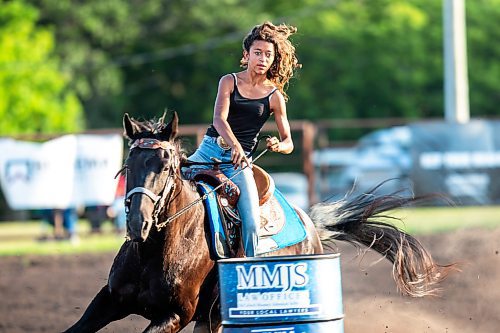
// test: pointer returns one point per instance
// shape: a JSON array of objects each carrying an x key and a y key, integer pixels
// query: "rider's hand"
[
  {"x": 239, "y": 158},
  {"x": 273, "y": 144}
]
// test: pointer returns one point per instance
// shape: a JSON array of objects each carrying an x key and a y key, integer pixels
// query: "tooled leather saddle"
[{"x": 274, "y": 212}]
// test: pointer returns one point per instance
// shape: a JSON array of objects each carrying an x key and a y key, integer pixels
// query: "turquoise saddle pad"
[{"x": 293, "y": 231}]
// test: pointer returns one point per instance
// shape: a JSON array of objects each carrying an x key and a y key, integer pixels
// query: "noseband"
[{"x": 158, "y": 200}]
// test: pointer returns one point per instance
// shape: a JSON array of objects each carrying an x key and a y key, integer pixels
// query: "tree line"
[{"x": 74, "y": 65}]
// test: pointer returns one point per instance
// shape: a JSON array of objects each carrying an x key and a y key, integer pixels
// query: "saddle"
[
  {"x": 225, "y": 220},
  {"x": 229, "y": 191}
]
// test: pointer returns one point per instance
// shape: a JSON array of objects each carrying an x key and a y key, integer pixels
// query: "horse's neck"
[
  {"x": 185, "y": 239},
  {"x": 185, "y": 195}
]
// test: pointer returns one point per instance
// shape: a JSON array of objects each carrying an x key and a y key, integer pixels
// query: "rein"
[
  {"x": 205, "y": 196},
  {"x": 159, "y": 200},
  {"x": 188, "y": 163}
]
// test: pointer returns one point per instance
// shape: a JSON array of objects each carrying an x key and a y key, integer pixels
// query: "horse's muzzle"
[
  {"x": 137, "y": 234},
  {"x": 146, "y": 227}
]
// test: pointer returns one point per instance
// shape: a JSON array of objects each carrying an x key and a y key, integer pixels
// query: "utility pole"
[{"x": 456, "y": 85}]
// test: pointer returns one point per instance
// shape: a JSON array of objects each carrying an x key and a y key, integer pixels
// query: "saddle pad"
[
  {"x": 218, "y": 245},
  {"x": 292, "y": 232}
]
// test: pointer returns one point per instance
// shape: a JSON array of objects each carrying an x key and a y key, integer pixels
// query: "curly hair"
[{"x": 285, "y": 61}]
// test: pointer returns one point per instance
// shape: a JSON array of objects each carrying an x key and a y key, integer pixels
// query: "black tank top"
[{"x": 246, "y": 117}]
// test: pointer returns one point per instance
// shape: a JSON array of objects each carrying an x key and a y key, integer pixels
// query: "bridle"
[{"x": 169, "y": 187}]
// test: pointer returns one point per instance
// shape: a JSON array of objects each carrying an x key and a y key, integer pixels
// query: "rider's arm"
[
  {"x": 285, "y": 144},
  {"x": 221, "y": 112}
]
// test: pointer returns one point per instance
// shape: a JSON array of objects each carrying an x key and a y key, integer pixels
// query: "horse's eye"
[{"x": 166, "y": 154}]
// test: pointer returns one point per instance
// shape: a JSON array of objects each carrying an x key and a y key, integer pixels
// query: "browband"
[{"x": 152, "y": 144}]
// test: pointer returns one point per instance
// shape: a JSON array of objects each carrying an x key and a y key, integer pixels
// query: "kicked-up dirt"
[{"x": 49, "y": 293}]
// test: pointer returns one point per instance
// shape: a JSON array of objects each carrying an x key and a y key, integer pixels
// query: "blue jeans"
[{"x": 248, "y": 203}]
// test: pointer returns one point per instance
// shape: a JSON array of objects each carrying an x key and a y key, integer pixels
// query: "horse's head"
[{"x": 152, "y": 166}]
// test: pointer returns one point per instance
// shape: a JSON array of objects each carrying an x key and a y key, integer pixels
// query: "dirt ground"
[{"x": 48, "y": 294}]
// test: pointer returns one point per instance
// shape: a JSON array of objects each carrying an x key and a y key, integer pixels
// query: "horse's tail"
[{"x": 360, "y": 220}]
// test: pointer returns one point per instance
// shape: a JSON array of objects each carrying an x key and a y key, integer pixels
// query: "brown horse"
[{"x": 166, "y": 274}]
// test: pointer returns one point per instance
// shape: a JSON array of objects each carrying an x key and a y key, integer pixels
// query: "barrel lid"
[{"x": 280, "y": 258}]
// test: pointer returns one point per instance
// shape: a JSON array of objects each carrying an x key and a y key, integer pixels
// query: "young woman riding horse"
[
  {"x": 244, "y": 102},
  {"x": 164, "y": 271}
]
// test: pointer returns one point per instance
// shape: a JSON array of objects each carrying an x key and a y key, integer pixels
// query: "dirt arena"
[{"x": 47, "y": 294}]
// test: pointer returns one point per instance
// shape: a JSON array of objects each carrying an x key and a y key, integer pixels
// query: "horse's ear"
[
  {"x": 130, "y": 127},
  {"x": 162, "y": 118},
  {"x": 170, "y": 131}
]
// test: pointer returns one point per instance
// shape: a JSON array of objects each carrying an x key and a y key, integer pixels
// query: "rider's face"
[{"x": 260, "y": 57}]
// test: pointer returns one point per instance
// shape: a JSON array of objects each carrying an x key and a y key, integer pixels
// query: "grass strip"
[{"x": 19, "y": 238}]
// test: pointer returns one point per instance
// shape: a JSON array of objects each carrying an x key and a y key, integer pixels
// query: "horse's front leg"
[
  {"x": 171, "y": 324},
  {"x": 103, "y": 309}
]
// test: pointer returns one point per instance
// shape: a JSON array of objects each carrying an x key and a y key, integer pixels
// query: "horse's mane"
[
  {"x": 148, "y": 128},
  {"x": 151, "y": 129}
]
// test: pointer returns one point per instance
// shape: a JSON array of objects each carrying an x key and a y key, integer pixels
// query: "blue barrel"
[{"x": 281, "y": 294}]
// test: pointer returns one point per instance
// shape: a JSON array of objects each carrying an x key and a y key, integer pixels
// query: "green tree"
[
  {"x": 145, "y": 56},
  {"x": 483, "y": 54},
  {"x": 361, "y": 58},
  {"x": 375, "y": 59},
  {"x": 91, "y": 36},
  {"x": 33, "y": 91}
]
